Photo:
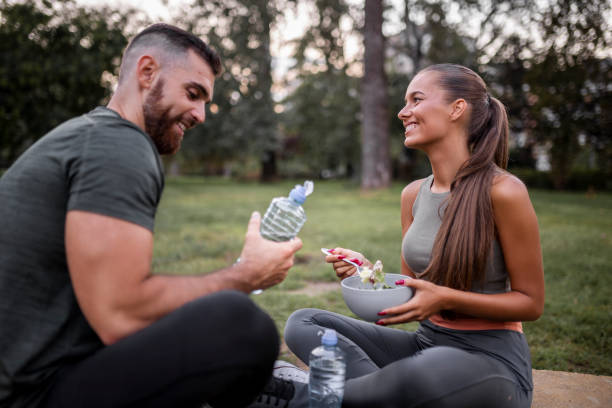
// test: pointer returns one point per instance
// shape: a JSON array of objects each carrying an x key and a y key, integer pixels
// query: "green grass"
[{"x": 201, "y": 224}]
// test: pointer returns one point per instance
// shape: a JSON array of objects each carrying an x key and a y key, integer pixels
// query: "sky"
[{"x": 154, "y": 8}]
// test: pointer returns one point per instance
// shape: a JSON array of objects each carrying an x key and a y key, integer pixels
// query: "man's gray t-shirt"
[{"x": 98, "y": 163}]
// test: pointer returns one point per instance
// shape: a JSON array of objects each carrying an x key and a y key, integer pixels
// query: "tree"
[
  {"x": 545, "y": 60},
  {"x": 559, "y": 85},
  {"x": 57, "y": 60},
  {"x": 570, "y": 83},
  {"x": 320, "y": 122},
  {"x": 427, "y": 37},
  {"x": 242, "y": 121},
  {"x": 375, "y": 160},
  {"x": 325, "y": 37},
  {"x": 321, "y": 125},
  {"x": 570, "y": 105}
]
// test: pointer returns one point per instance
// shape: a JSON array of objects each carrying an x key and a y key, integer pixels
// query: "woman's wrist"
[{"x": 446, "y": 298}]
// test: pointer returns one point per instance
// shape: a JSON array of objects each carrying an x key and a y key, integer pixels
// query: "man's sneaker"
[
  {"x": 280, "y": 393},
  {"x": 287, "y": 371}
]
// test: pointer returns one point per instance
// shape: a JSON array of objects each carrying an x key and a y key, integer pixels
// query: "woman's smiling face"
[{"x": 426, "y": 115}]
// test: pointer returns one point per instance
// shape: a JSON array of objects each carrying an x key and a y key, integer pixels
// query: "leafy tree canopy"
[{"x": 57, "y": 60}]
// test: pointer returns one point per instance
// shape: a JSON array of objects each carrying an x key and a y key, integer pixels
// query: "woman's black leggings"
[
  {"x": 432, "y": 367},
  {"x": 218, "y": 349}
]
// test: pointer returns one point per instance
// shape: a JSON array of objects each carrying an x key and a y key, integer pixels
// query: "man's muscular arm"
[{"x": 110, "y": 267}]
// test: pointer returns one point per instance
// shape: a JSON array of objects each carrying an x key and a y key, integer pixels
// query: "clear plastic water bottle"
[
  {"x": 327, "y": 373},
  {"x": 285, "y": 215}
]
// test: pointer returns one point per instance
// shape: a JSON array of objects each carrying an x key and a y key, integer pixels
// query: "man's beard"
[{"x": 158, "y": 123}]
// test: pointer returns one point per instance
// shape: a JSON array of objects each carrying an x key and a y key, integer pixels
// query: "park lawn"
[{"x": 201, "y": 224}]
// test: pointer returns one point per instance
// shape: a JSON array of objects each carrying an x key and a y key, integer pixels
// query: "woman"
[{"x": 471, "y": 240}]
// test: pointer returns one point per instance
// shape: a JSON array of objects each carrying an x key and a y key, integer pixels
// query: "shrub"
[{"x": 578, "y": 179}]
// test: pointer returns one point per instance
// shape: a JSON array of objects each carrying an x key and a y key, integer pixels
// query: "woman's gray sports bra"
[{"x": 417, "y": 243}]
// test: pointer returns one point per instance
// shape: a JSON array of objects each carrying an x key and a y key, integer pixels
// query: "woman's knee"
[{"x": 298, "y": 321}]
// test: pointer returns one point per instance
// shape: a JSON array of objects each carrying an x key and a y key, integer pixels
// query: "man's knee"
[{"x": 245, "y": 325}]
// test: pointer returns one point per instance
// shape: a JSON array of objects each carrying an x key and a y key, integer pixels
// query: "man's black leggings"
[
  {"x": 218, "y": 349},
  {"x": 433, "y": 367}
]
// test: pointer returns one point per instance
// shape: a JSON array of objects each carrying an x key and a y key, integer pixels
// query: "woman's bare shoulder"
[
  {"x": 410, "y": 192},
  {"x": 508, "y": 189}
]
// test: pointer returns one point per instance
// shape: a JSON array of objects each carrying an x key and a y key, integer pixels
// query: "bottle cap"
[
  {"x": 299, "y": 193},
  {"x": 329, "y": 338}
]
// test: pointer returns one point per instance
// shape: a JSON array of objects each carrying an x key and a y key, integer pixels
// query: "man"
[{"x": 83, "y": 321}]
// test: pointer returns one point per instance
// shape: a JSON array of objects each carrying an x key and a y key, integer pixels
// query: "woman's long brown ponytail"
[{"x": 463, "y": 244}]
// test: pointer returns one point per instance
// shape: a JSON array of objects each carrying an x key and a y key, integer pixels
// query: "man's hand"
[{"x": 265, "y": 263}]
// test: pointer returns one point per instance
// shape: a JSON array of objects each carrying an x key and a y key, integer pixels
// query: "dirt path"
[
  {"x": 316, "y": 288},
  {"x": 558, "y": 389}
]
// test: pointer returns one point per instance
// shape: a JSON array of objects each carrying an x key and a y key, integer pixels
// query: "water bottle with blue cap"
[
  {"x": 285, "y": 215},
  {"x": 327, "y": 373}
]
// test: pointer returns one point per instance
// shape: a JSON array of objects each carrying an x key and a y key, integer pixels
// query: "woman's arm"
[{"x": 519, "y": 237}]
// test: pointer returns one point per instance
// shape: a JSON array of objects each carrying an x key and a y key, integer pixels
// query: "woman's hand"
[
  {"x": 343, "y": 269},
  {"x": 428, "y": 299}
]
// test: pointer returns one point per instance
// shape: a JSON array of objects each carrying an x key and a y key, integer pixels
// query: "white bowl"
[{"x": 366, "y": 302}]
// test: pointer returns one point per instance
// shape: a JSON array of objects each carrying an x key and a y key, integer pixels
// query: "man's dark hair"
[{"x": 170, "y": 40}]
